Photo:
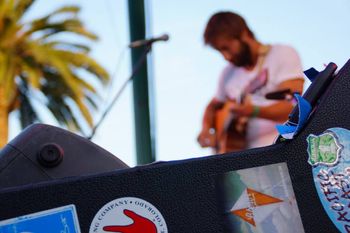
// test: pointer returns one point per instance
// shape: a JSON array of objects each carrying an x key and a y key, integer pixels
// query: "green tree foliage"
[{"x": 34, "y": 59}]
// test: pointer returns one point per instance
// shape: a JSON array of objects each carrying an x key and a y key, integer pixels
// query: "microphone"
[{"x": 149, "y": 41}]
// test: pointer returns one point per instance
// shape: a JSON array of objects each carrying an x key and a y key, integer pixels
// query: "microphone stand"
[{"x": 136, "y": 68}]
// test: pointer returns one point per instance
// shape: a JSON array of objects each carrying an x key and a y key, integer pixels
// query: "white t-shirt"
[{"x": 282, "y": 63}]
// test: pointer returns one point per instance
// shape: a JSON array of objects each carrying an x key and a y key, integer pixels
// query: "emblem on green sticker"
[{"x": 323, "y": 149}]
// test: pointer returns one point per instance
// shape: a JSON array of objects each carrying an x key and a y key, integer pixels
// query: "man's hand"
[
  {"x": 242, "y": 110},
  {"x": 140, "y": 225},
  {"x": 206, "y": 138}
]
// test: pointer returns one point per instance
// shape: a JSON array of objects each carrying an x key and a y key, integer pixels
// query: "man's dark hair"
[{"x": 225, "y": 24}]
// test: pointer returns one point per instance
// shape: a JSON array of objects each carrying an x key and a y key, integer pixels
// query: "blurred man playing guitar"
[{"x": 239, "y": 116}]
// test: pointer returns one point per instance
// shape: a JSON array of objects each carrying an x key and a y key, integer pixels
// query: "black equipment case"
[{"x": 185, "y": 195}]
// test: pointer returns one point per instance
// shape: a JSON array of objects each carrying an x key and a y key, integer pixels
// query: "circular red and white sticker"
[{"x": 128, "y": 215}]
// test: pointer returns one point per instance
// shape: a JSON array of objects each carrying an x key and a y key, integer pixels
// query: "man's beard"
[{"x": 244, "y": 58}]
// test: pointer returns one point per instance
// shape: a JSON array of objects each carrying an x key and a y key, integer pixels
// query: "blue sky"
[{"x": 184, "y": 71}]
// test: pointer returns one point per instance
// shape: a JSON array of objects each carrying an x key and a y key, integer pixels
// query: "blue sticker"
[
  {"x": 290, "y": 129},
  {"x": 59, "y": 220},
  {"x": 329, "y": 156}
]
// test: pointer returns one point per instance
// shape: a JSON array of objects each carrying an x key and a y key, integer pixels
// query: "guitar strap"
[
  {"x": 263, "y": 51},
  {"x": 236, "y": 140},
  {"x": 260, "y": 79}
]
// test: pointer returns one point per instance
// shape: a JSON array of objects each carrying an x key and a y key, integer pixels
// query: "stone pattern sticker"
[
  {"x": 128, "y": 215},
  {"x": 329, "y": 155}
]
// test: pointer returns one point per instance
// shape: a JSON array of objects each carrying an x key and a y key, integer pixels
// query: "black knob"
[{"x": 50, "y": 155}]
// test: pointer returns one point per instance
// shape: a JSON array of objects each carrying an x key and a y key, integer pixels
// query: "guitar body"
[{"x": 230, "y": 131}]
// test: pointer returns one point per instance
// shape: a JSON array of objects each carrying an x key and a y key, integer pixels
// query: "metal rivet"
[{"x": 50, "y": 155}]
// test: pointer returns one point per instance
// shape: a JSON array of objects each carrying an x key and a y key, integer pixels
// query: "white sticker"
[{"x": 128, "y": 215}]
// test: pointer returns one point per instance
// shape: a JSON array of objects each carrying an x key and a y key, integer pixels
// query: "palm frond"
[
  {"x": 91, "y": 101},
  {"x": 68, "y": 46},
  {"x": 31, "y": 58},
  {"x": 63, "y": 113},
  {"x": 66, "y": 9},
  {"x": 69, "y": 25},
  {"x": 22, "y": 6},
  {"x": 6, "y": 8},
  {"x": 33, "y": 74},
  {"x": 82, "y": 60},
  {"x": 85, "y": 111},
  {"x": 58, "y": 91},
  {"x": 27, "y": 114}
]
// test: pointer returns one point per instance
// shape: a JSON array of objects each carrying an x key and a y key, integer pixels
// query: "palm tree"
[{"x": 34, "y": 60}]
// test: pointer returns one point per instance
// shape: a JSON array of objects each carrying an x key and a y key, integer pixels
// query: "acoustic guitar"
[{"x": 230, "y": 130}]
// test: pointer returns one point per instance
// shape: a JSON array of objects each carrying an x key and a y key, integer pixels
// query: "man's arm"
[
  {"x": 278, "y": 111},
  {"x": 208, "y": 122}
]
